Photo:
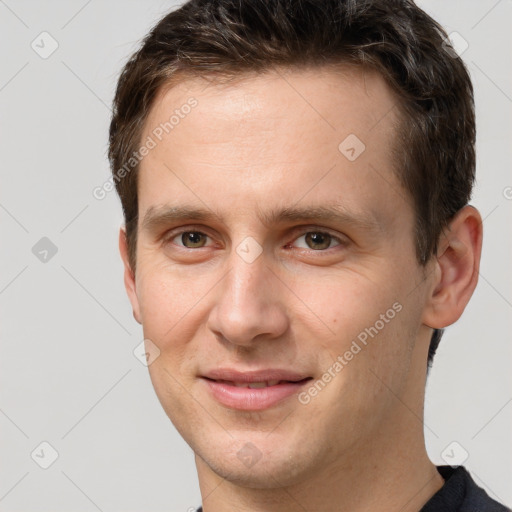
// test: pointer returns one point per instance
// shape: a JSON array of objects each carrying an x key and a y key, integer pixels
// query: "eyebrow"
[{"x": 158, "y": 217}]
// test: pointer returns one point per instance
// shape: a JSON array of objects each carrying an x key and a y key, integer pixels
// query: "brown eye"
[
  {"x": 317, "y": 240},
  {"x": 192, "y": 239}
]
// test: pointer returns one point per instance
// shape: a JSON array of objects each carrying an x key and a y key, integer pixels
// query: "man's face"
[{"x": 265, "y": 280}]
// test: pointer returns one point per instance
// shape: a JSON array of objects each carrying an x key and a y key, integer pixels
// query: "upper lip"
[{"x": 232, "y": 375}]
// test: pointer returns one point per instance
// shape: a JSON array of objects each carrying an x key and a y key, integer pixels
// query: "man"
[{"x": 295, "y": 178}]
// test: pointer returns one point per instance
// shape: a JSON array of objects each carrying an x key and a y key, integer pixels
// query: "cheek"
[
  {"x": 362, "y": 319},
  {"x": 344, "y": 304},
  {"x": 174, "y": 310},
  {"x": 165, "y": 300}
]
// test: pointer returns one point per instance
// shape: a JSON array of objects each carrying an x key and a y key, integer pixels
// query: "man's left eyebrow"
[{"x": 335, "y": 214}]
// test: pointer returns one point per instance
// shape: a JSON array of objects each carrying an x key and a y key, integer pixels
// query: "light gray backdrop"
[{"x": 69, "y": 378}]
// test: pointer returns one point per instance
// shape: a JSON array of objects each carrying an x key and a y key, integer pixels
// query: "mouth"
[
  {"x": 257, "y": 385},
  {"x": 253, "y": 391}
]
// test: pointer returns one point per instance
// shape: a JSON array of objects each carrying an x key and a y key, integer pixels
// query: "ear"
[
  {"x": 129, "y": 275},
  {"x": 456, "y": 269}
]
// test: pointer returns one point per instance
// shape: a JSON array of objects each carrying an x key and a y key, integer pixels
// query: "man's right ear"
[{"x": 129, "y": 275}]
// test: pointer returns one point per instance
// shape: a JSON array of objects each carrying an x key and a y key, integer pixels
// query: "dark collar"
[{"x": 460, "y": 493}]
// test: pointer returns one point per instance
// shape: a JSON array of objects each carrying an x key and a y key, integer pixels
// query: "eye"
[
  {"x": 314, "y": 240},
  {"x": 318, "y": 240},
  {"x": 190, "y": 239}
]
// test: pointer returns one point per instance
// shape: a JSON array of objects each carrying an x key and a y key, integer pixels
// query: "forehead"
[
  {"x": 342, "y": 98},
  {"x": 271, "y": 139}
]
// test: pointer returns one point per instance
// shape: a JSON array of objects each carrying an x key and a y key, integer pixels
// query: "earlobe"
[
  {"x": 456, "y": 269},
  {"x": 129, "y": 276}
]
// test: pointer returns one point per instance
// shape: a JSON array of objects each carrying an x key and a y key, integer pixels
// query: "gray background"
[{"x": 68, "y": 373}]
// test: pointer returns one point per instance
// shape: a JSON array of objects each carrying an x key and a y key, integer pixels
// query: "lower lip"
[{"x": 248, "y": 399}]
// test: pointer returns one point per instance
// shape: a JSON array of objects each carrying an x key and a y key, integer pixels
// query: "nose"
[{"x": 249, "y": 304}]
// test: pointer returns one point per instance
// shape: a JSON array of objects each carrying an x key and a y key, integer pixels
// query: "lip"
[{"x": 221, "y": 385}]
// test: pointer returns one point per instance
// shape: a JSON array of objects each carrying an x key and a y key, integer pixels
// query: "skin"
[{"x": 262, "y": 143}]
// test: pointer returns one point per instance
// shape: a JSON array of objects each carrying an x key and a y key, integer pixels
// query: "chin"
[
  {"x": 257, "y": 462},
  {"x": 271, "y": 474}
]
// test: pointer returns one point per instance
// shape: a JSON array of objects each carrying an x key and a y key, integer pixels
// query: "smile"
[{"x": 251, "y": 391}]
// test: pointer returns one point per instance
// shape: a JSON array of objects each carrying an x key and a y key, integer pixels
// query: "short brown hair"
[{"x": 435, "y": 148}]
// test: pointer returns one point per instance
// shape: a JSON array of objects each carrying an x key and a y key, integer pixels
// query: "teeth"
[{"x": 256, "y": 385}]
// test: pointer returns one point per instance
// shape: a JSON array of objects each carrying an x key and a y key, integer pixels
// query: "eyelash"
[{"x": 173, "y": 234}]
